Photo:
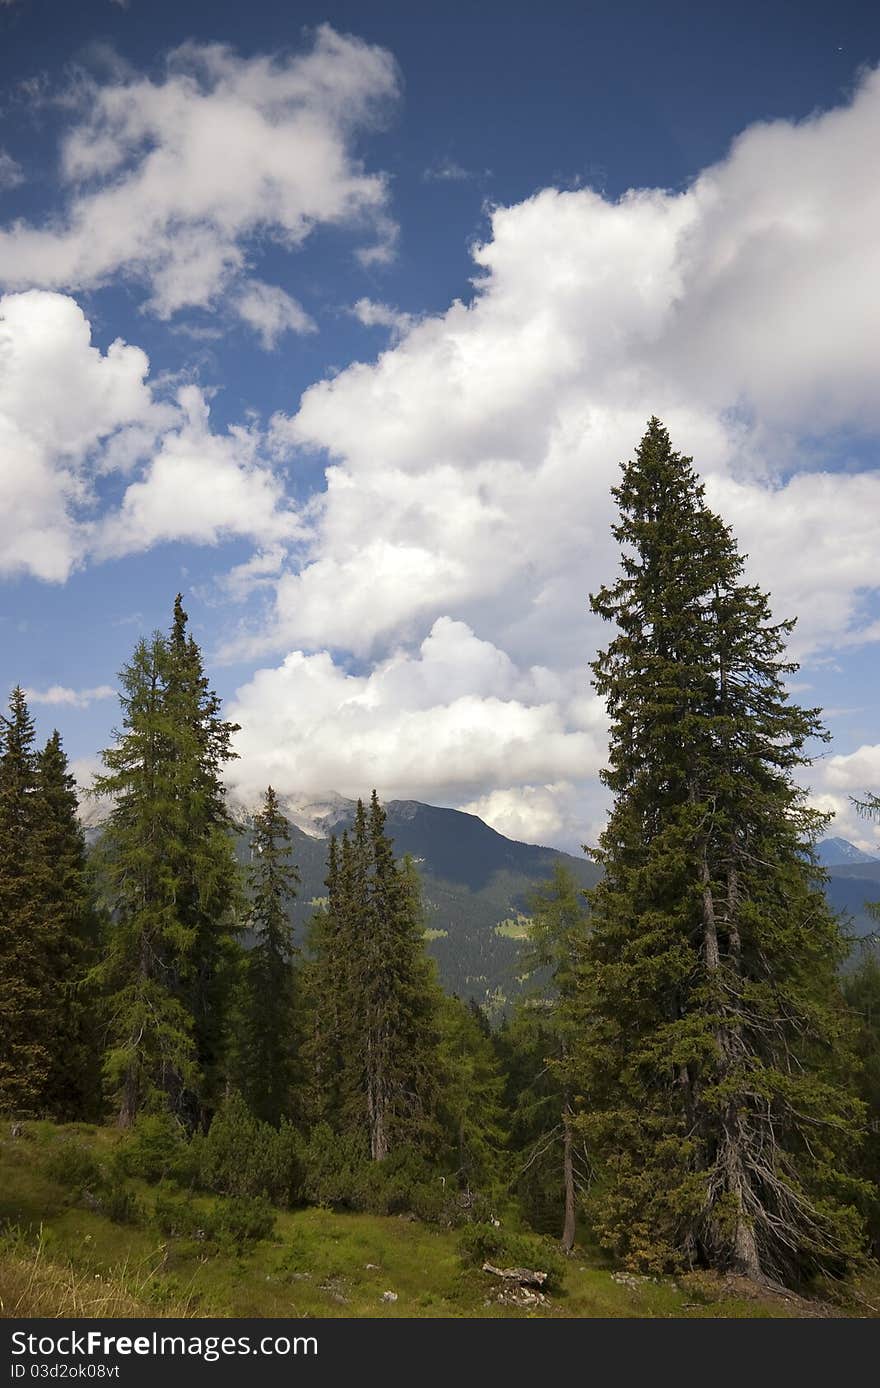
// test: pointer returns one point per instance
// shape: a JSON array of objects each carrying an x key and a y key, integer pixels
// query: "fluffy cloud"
[
  {"x": 271, "y": 312},
  {"x": 469, "y": 466},
  {"x": 169, "y": 180},
  {"x": 378, "y": 315},
  {"x": 479, "y": 450},
  {"x": 70, "y": 414},
  {"x": 59, "y": 694},
  {"x": 442, "y": 723},
  {"x": 61, "y": 399},
  {"x": 200, "y": 487},
  {"x": 839, "y": 781}
]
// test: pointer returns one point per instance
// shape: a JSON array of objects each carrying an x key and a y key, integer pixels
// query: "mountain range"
[{"x": 476, "y": 883}]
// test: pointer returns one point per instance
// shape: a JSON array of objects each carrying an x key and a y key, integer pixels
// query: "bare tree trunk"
[
  {"x": 746, "y": 1258},
  {"x": 568, "y": 1227},
  {"x": 376, "y": 1104}
]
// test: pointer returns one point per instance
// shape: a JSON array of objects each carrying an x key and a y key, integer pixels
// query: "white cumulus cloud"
[
  {"x": 59, "y": 694},
  {"x": 169, "y": 180},
  {"x": 469, "y": 466},
  {"x": 443, "y": 722}
]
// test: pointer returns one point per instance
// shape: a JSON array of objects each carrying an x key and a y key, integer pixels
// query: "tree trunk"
[
  {"x": 568, "y": 1227},
  {"x": 744, "y": 1254}
]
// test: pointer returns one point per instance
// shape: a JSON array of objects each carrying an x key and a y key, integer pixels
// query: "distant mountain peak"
[{"x": 840, "y": 852}]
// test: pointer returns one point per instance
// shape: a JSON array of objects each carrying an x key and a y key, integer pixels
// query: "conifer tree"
[
  {"x": 544, "y": 1107},
  {"x": 471, "y": 1101},
  {"x": 26, "y": 1004},
  {"x": 394, "y": 988},
  {"x": 708, "y": 1010},
  {"x": 324, "y": 992},
  {"x": 374, "y": 1038},
  {"x": 172, "y": 884},
  {"x": 207, "y": 879},
  {"x": 271, "y": 1023},
  {"x": 64, "y": 891}
]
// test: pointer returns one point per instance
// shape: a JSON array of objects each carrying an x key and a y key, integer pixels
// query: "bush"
[
  {"x": 73, "y": 1166},
  {"x": 242, "y": 1156},
  {"x": 242, "y": 1220},
  {"x": 230, "y": 1222},
  {"x": 334, "y": 1169},
  {"x": 486, "y": 1243},
  {"x": 119, "y": 1203},
  {"x": 157, "y": 1148},
  {"x": 175, "y": 1216}
]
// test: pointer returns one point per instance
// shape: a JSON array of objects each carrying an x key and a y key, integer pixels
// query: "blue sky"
[{"x": 340, "y": 318}]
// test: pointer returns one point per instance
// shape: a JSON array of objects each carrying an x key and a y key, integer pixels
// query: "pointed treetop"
[{"x": 181, "y": 617}]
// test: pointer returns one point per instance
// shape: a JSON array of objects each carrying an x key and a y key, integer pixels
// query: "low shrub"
[
  {"x": 73, "y": 1166},
  {"x": 242, "y": 1156},
  {"x": 157, "y": 1148},
  {"x": 488, "y": 1243},
  {"x": 333, "y": 1169},
  {"x": 119, "y": 1203},
  {"x": 241, "y": 1220},
  {"x": 175, "y": 1216}
]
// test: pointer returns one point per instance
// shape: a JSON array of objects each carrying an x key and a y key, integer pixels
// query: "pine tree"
[
  {"x": 271, "y": 1023},
  {"x": 26, "y": 1004},
  {"x": 171, "y": 880},
  {"x": 70, "y": 930},
  {"x": 708, "y": 1010}
]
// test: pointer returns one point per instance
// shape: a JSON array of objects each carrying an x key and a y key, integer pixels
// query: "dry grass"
[{"x": 32, "y": 1284}]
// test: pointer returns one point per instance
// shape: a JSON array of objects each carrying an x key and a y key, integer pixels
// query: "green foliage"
[
  {"x": 471, "y": 1104},
  {"x": 170, "y": 881},
  {"x": 489, "y": 1243},
  {"x": 268, "y": 1043},
  {"x": 119, "y": 1203},
  {"x": 156, "y": 1148},
  {"x": 229, "y": 1222},
  {"x": 243, "y": 1156},
  {"x": 47, "y": 930},
  {"x": 241, "y": 1220},
  {"x": 707, "y": 1028},
  {"x": 373, "y": 1033},
  {"x": 73, "y": 1165},
  {"x": 332, "y": 1167},
  {"x": 862, "y": 991}
]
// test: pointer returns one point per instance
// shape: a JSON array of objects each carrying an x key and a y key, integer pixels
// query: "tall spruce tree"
[
  {"x": 708, "y": 1011},
  {"x": 26, "y": 1001},
  {"x": 374, "y": 1000},
  {"x": 171, "y": 878},
  {"x": 395, "y": 991},
  {"x": 207, "y": 878},
  {"x": 324, "y": 986},
  {"x": 271, "y": 1023},
  {"x": 69, "y": 922}
]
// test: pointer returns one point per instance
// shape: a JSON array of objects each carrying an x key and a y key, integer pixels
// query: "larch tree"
[
  {"x": 271, "y": 1023},
  {"x": 708, "y": 1013}
]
